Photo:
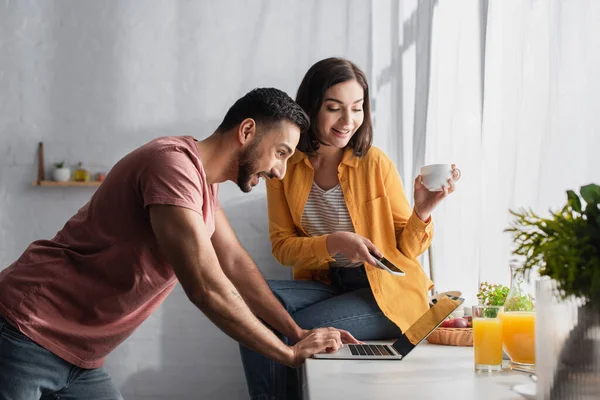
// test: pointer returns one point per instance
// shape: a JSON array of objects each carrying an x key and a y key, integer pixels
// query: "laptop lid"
[{"x": 426, "y": 324}]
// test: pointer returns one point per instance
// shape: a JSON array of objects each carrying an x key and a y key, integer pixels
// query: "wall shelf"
[
  {"x": 41, "y": 178},
  {"x": 66, "y": 184}
]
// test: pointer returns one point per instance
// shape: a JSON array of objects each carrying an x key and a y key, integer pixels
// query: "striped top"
[{"x": 325, "y": 212}]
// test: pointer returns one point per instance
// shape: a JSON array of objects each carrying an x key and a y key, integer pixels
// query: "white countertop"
[{"x": 428, "y": 372}]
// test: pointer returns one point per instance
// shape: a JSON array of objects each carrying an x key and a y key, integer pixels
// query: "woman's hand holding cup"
[{"x": 435, "y": 182}]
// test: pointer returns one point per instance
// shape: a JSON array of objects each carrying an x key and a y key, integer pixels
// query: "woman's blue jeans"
[{"x": 314, "y": 305}]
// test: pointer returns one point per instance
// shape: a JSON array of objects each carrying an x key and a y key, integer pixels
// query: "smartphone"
[{"x": 388, "y": 266}]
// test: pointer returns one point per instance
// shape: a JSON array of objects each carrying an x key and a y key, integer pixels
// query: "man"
[{"x": 155, "y": 220}]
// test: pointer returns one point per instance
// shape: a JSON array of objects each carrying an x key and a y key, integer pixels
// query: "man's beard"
[{"x": 248, "y": 167}]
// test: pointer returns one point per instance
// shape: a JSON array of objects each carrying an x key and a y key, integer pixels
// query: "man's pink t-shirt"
[{"x": 85, "y": 291}]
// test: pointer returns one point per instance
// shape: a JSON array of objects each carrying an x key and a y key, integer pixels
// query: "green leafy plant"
[
  {"x": 566, "y": 245},
  {"x": 495, "y": 295},
  {"x": 60, "y": 164},
  {"x": 518, "y": 301},
  {"x": 492, "y": 295}
]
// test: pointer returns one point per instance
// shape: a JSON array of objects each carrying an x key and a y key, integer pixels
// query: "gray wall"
[{"x": 95, "y": 79}]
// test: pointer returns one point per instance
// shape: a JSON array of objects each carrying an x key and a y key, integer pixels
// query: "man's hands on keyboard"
[{"x": 318, "y": 340}]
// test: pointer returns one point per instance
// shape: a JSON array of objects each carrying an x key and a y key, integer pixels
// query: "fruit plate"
[{"x": 452, "y": 336}]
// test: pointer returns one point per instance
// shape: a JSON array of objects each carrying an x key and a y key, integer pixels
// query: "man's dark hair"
[
  {"x": 320, "y": 77},
  {"x": 266, "y": 106}
]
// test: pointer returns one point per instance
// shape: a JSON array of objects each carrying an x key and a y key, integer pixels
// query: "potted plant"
[
  {"x": 566, "y": 248},
  {"x": 492, "y": 295},
  {"x": 61, "y": 173}
]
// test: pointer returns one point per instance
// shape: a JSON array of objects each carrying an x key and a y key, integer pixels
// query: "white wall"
[{"x": 95, "y": 79}]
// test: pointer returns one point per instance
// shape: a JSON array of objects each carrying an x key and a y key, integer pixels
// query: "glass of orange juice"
[
  {"x": 518, "y": 321},
  {"x": 487, "y": 338},
  {"x": 518, "y": 336}
]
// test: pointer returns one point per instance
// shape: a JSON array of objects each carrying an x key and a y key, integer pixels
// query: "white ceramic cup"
[{"x": 435, "y": 176}]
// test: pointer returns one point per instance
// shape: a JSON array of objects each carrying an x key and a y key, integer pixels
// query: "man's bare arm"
[
  {"x": 184, "y": 239},
  {"x": 247, "y": 278},
  {"x": 245, "y": 275}
]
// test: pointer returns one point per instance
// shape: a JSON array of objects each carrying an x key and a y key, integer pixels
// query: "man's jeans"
[
  {"x": 314, "y": 305},
  {"x": 30, "y": 372}
]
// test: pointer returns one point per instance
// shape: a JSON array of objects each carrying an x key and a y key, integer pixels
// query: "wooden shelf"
[
  {"x": 66, "y": 184},
  {"x": 41, "y": 178}
]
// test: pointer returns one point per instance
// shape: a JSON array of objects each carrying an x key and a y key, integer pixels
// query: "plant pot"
[
  {"x": 61, "y": 174},
  {"x": 568, "y": 346}
]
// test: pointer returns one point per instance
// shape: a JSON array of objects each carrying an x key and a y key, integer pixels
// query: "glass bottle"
[
  {"x": 518, "y": 321},
  {"x": 80, "y": 174}
]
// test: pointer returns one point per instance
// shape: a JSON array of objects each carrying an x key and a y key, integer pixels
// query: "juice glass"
[
  {"x": 487, "y": 338},
  {"x": 518, "y": 337},
  {"x": 518, "y": 321}
]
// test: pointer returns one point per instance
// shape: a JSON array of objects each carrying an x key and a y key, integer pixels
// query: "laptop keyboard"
[{"x": 370, "y": 350}]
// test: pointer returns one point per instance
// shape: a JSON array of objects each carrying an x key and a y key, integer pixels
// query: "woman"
[{"x": 341, "y": 199}]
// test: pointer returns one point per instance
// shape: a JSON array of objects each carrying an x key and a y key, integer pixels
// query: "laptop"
[{"x": 398, "y": 350}]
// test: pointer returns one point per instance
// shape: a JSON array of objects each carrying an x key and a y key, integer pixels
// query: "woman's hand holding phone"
[
  {"x": 358, "y": 249},
  {"x": 355, "y": 248},
  {"x": 387, "y": 265}
]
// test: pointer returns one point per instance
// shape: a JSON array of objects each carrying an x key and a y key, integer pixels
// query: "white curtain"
[
  {"x": 513, "y": 99},
  {"x": 541, "y": 129}
]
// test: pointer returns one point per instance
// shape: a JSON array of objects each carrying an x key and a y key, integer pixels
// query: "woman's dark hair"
[{"x": 320, "y": 77}]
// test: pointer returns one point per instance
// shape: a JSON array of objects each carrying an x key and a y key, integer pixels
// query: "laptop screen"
[{"x": 426, "y": 324}]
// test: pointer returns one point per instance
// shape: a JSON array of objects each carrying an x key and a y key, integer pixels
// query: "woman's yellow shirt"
[{"x": 379, "y": 211}]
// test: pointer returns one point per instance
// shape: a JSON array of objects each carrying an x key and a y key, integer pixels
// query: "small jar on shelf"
[{"x": 80, "y": 174}]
